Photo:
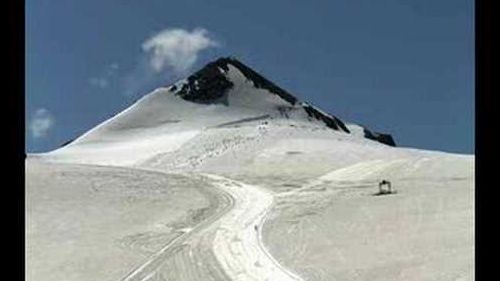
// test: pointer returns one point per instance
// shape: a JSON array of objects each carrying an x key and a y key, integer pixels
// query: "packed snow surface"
[{"x": 251, "y": 186}]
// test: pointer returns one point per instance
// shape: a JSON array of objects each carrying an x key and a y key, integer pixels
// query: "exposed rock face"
[
  {"x": 330, "y": 121},
  {"x": 211, "y": 84},
  {"x": 383, "y": 138},
  {"x": 208, "y": 85}
]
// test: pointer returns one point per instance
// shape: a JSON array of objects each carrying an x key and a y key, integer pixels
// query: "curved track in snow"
[
  {"x": 238, "y": 242},
  {"x": 226, "y": 246}
]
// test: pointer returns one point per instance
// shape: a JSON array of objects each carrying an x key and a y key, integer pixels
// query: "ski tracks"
[
  {"x": 228, "y": 245},
  {"x": 238, "y": 242}
]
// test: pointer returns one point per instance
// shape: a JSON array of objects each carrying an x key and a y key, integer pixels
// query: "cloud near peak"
[{"x": 177, "y": 48}]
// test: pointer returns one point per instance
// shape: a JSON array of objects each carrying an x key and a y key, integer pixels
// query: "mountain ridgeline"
[{"x": 211, "y": 84}]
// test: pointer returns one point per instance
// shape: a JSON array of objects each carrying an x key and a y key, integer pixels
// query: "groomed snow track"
[{"x": 226, "y": 246}]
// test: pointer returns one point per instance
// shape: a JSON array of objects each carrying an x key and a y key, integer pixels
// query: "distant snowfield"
[{"x": 177, "y": 190}]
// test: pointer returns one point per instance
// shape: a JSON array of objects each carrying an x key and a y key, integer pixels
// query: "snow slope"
[
  {"x": 334, "y": 228},
  {"x": 253, "y": 185},
  {"x": 96, "y": 223}
]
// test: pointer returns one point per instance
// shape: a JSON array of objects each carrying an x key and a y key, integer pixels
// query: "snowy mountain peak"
[
  {"x": 211, "y": 83},
  {"x": 225, "y": 94},
  {"x": 228, "y": 81}
]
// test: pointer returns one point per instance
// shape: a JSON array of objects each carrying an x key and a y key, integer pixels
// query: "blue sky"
[{"x": 399, "y": 66}]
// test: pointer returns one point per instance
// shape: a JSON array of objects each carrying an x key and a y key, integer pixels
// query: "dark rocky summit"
[
  {"x": 210, "y": 83},
  {"x": 207, "y": 85}
]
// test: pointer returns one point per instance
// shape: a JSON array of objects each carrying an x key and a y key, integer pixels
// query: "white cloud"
[
  {"x": 176, "y": 48},
  {"x": 167, "y": 55},
  {"x": 41, "y": 122}
]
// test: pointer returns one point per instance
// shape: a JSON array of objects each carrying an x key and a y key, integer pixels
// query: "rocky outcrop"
[
  {"x": 208, "y": 85},
  {"x": 330, "y": 121},
  {"x": 382, "y": 138}
]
